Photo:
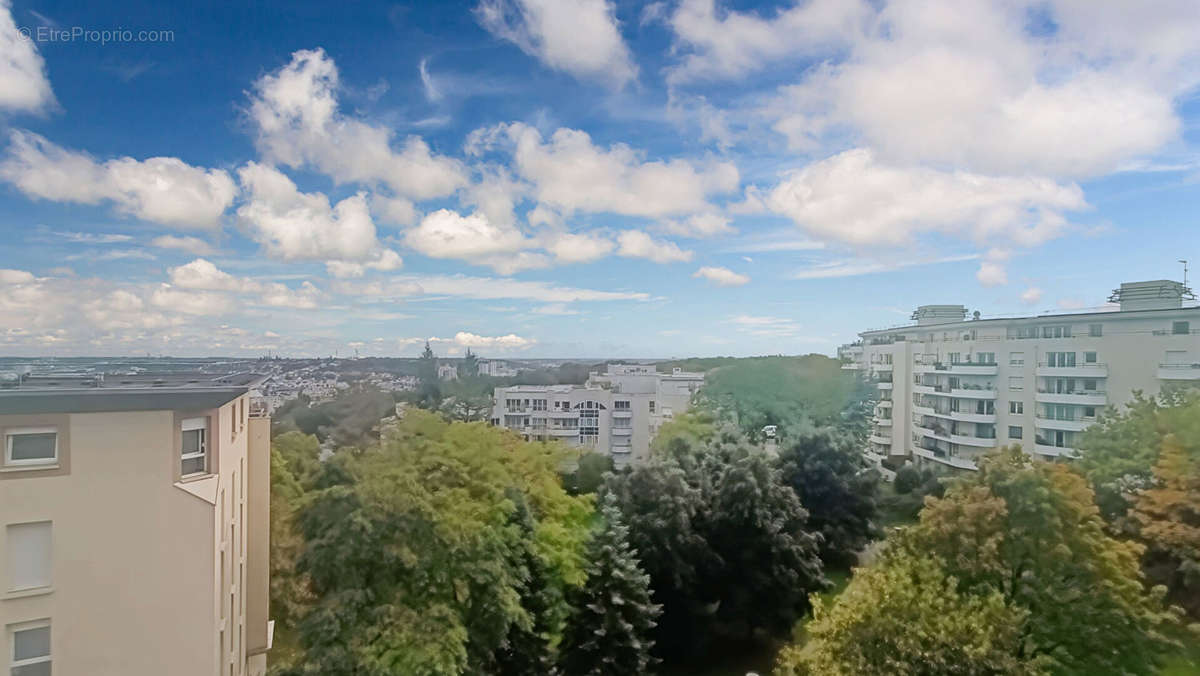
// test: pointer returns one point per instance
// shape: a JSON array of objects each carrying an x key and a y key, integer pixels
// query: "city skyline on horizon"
[{"x": 543, "y": 180}]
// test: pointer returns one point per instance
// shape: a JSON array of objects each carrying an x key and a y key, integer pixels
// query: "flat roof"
[
  {"x": 1056, "y": 317},
  {"x": 96, "y": 393}
]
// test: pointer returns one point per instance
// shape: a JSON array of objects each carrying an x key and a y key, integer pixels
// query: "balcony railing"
[{"x": 1179, "y": 371}]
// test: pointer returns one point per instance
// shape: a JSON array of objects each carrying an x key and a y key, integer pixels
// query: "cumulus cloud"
[
  {"x": 162, "y": 190},
  {"x": 296, "y": 226},
  {"x": 580, "y": 37},
  {"x": 981, "y": 85},
  {"x": 447, "y": 234},
  {"x": 991, "y": 273},
  {"x": 637, "y": 244},
  {"x": 577, "y": 247},
  {"x": 192, "y": 245},
  {"x": 202, "y": 275},
  {"x": 1031, "y": 296},
  {"x": 569, "y": 173},
  {"x": 297, "y": 121},
  {"x": 721, "y": 44},
  {"x": 854, "y": 198},
  {"x": 23, "y": 83},
  {"x": 504, "y": 343},
  {"x": 721, "y": 276}
]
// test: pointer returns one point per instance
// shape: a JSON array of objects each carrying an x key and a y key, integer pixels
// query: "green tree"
[
  {"x": 905, "y": 615},
  {"x": 1167, "y": 519},
  {"x": 1118, "y": 453},
  {"x": 1031, "y": 532},
  {"x": 470, "y": 365},
  {"x": 429, "y": 394},
  {"x": 609, "y": 630},
  {"x": 908, "y": 479},
  {"x": 588, "y": 474},
  {"x": 836, "y": 488},
  {"x": 417, "y": 552}
]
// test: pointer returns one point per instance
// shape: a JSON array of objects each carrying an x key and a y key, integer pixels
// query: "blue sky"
[{"x": 580, "y": 177}]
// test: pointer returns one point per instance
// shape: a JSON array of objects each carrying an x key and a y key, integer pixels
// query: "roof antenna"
[{"x": 1185, "y": 271}]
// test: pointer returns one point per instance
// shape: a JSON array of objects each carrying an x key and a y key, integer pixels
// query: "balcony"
[
  {"x": 1055, "y": 451},
  {"x": 882, "y": 366},
  {"x": 933, "y": 432},
  {"x": 852, "y": 366},
  {"x": 622, "y": 413},
  {"x": 880, "y": 439},
  {"x": 977, "y": 442},
  {"x": 1179, "y": 371},
  {"x": 1080, "y": 398},
  {"x": 884, "y": 403},
  {"x": 971, "y": 417},
  {"x": 974, "y": 393},
  {"x": 959, "y": 369},
  {"x": 622, "y": 431},
  {"x": 1044, "y": 422},
  {"x": 949, "y": 460},
  {"x": 885, "y": 385},
  {"x": 924, "y": 410},
  {"x": 1077, "y": 371},
  {"x": 563, "y": 414},
  {"x": 882, "y": 422},
  {"x": 564, "y": 432}
]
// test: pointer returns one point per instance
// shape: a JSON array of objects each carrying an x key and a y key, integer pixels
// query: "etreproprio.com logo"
[{"x": 100, "y": 36}]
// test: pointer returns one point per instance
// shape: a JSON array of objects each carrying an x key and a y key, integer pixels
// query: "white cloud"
[
  {"x": 23, "y": 83},
  {"x": 298, "y": 124},
  {"x": 853, "y": 198},
  {"x": 856, "y": 267},
  {"x": 577, "y": 247},
  {"x": 992, "y": 274},
  {"x": 1031, "y": 296},
  {"x": 555, "y": 309},
  {"x": 721, "y": 276},
  {"x": 637, "y": 244},
  {"x": 203, "y": 276},
  {"x": 296, "y": 226},
  {"x": 698, "y": 225},
  {"x": 15, "y": 277},
  {"x": 393, "y": 210},
  {"x": 192, "y": 245},
  {"x": 570, "y": 173},
  {"x": 580, "y": 37},
  {"x": 446, "y": 234},
  {"x": 161, "y": 190},
  {"x": 725, "y": 44},
  {"x": 504, "y": 343},
  {"x": 480, "y": 288},
  {"x": 970, "y": 84}
]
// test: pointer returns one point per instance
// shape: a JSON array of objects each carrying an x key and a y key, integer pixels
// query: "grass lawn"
[{"x": 1186, "y": 662}]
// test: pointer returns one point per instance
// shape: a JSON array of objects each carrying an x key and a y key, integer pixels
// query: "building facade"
[
  {"x": 134, "y": 524},
  {"x": 951, "y": 388},
  {"x": 616, "y": 413}
]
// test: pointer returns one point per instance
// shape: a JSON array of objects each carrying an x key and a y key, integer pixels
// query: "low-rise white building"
[
  {"x": 495, "y": 369},
  {"x": 617, "y": 412},
  {"x": 447, "y": 372},
  {"x": 951, "y": 388}
]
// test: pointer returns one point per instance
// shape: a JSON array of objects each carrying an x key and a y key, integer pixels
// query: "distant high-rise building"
[
  {"x": 616, "y": 413},
  {"x": 134, "y": 526},
  {"x": 951, "y": 388},
  {"x": 447, "y": 372}
]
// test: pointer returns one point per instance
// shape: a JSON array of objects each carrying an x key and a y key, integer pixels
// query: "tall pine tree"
[{"x": 609, "y": 630}]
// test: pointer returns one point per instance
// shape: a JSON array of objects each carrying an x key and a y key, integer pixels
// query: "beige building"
[
  {"x": 617, "y": 412},
  {"x": 134, "y": 527},
  {"x": 951, "y": 388}
]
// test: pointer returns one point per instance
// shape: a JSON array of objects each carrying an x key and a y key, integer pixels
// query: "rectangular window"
[
  {"x": 1095, "y": 330},
  {"x": 539, "y": 404},
  {"x": 985, "y": 358},
  {"x": 31, "y": 446},
  {"x": 31, "y": 651},
  {"x": 1016, "y": 358},
  {"x": 29, "y": 560},
  {"x": 652, "y": 406},
  {"x": 194, "y": 447},
  {"x": 1089, "y": 357},
  {"x": 620, "y": 405},
  {"x": 1089, "y": 384},
  {"x": 1016, "y": 407},
  {"x": 1015, "y": 432},
  {"x": 955, "y": 357},
  {"x": 1016, "y": 383},
  {"x": 1056, "y": 331},
  {"x": 1180, "y": 328},
  {"x": 1089, "y": 411}
]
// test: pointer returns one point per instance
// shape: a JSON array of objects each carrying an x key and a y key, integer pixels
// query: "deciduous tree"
[{"x": 1167, "y": 519}]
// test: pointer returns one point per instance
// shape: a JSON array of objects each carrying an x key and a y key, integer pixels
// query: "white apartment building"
[
  {"x": 495, "y": 369},
  {"x": 617, "y": 412},
  {"x": 447, "y": 372},
  {"x": 134, "y": 526},
  {"x": 951, "y": 388}
]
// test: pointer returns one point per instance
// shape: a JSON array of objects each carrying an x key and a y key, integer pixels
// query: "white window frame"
[
  {"x": 191, "y": 425},
  {"x": 13, "y": 630},
  {"x": 9, "y": 433}
]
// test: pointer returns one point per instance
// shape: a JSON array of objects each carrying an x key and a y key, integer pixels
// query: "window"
[
  {"x": 1089, "y": 357},
  {"x": 28, "y": 547},
  {"x": 1089, "y": 411},
  {"x": 1089, "y": 384},
  {"x": 955, "y": 357},
  {"x": 539, "y": 404},
  {"x": 652, "y": 406},
  {"x": 31, "y": 651},
  {"x": 1060, "y": 359},
  {"x": 1180, "y": 328},
  {"x": 31, "y": 446},
  {"x": 1095, "y": 330},
  {"x": 1056, "y": 331},
  {"x": 1016, "y": 358},
  {"x": 1015, "y": 432},
  {"x": 1016, "y": 407},
  {"x": 194, "y": 447},
  {"x": 620, "y": 405},
  {"x": 1016, "y": 383}
]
